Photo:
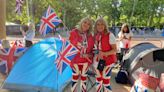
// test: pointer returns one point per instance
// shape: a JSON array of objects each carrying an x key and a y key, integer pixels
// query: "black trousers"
[
  {"x": 121, "y": 54},
  {"x": 28, "y": 43}
]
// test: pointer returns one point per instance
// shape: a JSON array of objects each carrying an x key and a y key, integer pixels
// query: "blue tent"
[{"x": 36, "y": 70}]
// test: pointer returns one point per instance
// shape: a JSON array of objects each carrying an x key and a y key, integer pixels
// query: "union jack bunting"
[
  {"x": 9, "y": 55},
  {"x": 49, "y": 21},
  {"x": 17, "y": 43},
  {"x": 18, "y": 6},
  {"x": 65, "y": 56}
]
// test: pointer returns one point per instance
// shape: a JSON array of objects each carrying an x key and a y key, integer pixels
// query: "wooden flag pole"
[{"x": 3, "y": 19}]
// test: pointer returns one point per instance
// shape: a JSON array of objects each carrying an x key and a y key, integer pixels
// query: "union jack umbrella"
[
  {"x": 65, "y": 56},
  {"x": 49, "y": 21}
]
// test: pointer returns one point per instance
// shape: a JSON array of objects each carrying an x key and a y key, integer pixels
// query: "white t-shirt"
[
  {"x": 112, "y": 39},
  {"x": 125, "y": 43},
  {"x": 30, "y": 34}
]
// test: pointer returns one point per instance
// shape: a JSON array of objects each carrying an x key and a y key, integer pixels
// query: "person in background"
[
  {"x": 82, "y": 39},
  {"x": 29, "y": 33},
  {"x": 104, "y": 60},
  {"x": 125, "y": 36}
]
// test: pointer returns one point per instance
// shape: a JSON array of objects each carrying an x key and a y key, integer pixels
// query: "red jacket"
[
  {"x": 74, "y": 38},
  {"x": 105, "y": 46}
]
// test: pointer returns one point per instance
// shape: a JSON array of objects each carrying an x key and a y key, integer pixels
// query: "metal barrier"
[{"x": 159, "y": 42}]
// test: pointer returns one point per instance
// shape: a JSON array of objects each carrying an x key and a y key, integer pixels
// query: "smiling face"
[
  {"x": 85, "y": 25},
  {"x": 100, "y": 26}
]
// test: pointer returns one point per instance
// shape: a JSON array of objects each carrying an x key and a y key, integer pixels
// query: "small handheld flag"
[{"x": 66, "y": 54}]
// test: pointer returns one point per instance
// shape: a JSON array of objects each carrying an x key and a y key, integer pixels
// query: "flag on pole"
[
  {"x": 19, "y": 4},
  {"x": 49, "y": 21},
  {"x": 65, "y": 56}
]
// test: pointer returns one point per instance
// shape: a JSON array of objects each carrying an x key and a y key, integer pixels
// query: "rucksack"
[{"x": 122, "y": 77}]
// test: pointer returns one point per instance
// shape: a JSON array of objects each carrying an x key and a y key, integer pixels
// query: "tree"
[{"x": 136, "y": 12}]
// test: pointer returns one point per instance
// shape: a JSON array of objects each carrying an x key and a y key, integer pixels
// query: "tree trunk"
[{"x": 2, "y": 19}]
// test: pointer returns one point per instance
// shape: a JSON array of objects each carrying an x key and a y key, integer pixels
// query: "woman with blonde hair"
[
  {"x": 82, "y": 39},
  {"x": 105, "y": 43}
]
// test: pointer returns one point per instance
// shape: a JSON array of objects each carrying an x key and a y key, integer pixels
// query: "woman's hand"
[
  {"x": 101, "y": 54},
  {"x": 87, "y": 56},
  {"x": 79, "y": 45},
  {"x": 123, "y": 36}
]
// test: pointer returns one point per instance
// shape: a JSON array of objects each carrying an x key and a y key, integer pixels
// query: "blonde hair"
[
  {"x": 101, "y": 20},
  {"x": 31, "y": 25},
  {"x": 5, "y": 43},
  {"x": 123, "y": 26},
  {"x": 82, "y": 21}
]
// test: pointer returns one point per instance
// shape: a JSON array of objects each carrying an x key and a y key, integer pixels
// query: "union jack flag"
[
  {"x": 9, "y": 55},
  {"x": 65, "y": 56},
  {"x": 18, "y": 6},
  {"x": 49, "y": 21}
]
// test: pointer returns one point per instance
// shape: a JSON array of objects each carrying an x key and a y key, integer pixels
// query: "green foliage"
[{"x": 136, "y": 12}]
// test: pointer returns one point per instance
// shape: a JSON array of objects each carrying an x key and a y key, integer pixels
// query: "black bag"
[
  {"x": 101, "y": 65},
  {"x": 122, "y": 77}
]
